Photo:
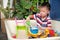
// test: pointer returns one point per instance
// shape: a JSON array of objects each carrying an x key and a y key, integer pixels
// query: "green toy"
[{"x": 21, "y": 29}]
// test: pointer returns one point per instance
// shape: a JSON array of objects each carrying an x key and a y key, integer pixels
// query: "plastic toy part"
[
  {"x": 45, "y": 34},
  {"x": 28, "y": 23},
  {"x": 34, "y": 32},
  {"x": 14, "y": 36},
  {"x": 52, "y": 33},
  {"x": 55, "y": 35},
  {"x": 48, "y": 33},
  {"x": 34, "y": 35}
]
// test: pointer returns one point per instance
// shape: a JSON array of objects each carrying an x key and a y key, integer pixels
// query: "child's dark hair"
[{"x": 46, "y": 4}]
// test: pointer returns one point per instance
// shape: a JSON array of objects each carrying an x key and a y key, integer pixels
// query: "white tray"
[{"x": 10, "y": 28}]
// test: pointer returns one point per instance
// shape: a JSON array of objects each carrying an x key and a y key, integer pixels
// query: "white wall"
[
  {"x": 5, "y": 3},
  {"x": 11, "y": 2}
]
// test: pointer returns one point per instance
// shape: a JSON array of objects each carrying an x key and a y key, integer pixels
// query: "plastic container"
[{"x": 21, "y": 29}]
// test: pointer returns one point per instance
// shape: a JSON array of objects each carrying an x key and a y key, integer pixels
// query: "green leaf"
[{"x": 28, "y": 5}]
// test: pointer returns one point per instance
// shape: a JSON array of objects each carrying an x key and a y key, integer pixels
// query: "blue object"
[
  {"x": 55, "y": 9},
  {"x": 34, "y": 30}
]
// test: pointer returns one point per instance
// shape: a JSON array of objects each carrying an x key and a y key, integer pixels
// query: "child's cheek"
[{"x": 43, "y": 14}]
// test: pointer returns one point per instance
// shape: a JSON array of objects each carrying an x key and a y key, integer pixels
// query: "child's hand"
[
  {"x": 30, "y": 16},
  {"x": 40, "y": 28},
  {"x": 48, "y": 28}
]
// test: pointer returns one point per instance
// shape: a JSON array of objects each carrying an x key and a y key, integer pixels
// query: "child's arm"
[
  {"x": 33, "y": 16},
  {"x": 29, "y": 17}
]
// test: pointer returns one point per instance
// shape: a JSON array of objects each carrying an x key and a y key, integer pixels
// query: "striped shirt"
[{"x": 44, "y": 23}]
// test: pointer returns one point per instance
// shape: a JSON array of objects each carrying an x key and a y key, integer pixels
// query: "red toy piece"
[
  {"x": 52, "y": 33},
  {"x": 14, "y": 36}
]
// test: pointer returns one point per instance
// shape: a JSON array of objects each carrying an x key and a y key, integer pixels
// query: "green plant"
[
  {"x": 23, "y": 8},
  {"x": 6, "y": 10}
]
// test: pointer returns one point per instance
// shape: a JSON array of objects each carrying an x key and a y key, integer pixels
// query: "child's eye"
[{"x": 42, "y": 11}]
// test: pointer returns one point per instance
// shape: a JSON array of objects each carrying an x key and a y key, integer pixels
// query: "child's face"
[{"x": 44, "y": 11}]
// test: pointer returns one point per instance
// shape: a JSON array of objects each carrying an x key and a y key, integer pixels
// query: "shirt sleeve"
[
  {"x": 49, "y": 23},
  {"x": 35, "y": 15}
]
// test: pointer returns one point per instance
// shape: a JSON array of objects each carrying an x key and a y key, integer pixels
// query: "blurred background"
[{"x": 30, "y": 7}]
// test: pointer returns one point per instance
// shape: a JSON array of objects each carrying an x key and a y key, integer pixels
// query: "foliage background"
[{"x": 22, "y": 8}]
